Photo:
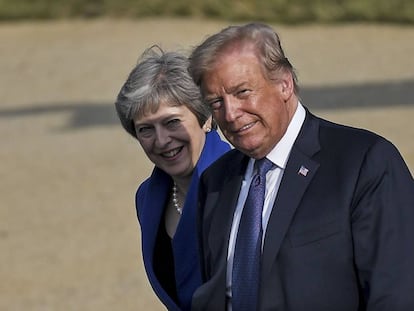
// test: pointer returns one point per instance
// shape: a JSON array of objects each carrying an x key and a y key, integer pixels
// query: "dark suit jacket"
[{"x": 340, "y": 238}]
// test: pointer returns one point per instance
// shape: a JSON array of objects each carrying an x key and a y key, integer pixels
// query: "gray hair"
[
  {"x": 266, "y": 41},
  {"x": 158, "y": 76}
]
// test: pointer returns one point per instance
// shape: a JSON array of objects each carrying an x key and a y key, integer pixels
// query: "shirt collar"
[{"x": 280, "y": 153}]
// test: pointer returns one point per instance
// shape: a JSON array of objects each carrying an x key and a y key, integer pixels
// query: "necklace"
[{"x": 175, "y": 199}]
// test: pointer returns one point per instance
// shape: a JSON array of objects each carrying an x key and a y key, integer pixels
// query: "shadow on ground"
[{"x": 86, "y": 114}]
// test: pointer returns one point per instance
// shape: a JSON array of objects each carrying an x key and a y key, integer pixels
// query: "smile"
[
  {"x": 246, "y": 127},
  {"x": 172, "y": 153}
]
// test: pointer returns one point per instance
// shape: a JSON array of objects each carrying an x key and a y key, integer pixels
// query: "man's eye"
[
  {"x": 243, "y": 92},
  {"x": 215, "y": 104}
]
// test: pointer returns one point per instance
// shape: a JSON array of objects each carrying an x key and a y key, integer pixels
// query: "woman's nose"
[{"x": 162, "y": 137}]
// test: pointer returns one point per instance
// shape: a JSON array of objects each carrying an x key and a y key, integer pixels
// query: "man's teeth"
[{"x": 246, "y": 127}]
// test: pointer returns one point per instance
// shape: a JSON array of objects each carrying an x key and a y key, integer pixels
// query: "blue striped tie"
[{"x": 247, "y": 253}]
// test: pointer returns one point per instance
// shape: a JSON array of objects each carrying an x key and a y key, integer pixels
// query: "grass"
[{"x": 281, "y": 11}]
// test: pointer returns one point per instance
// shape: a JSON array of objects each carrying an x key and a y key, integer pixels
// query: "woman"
[{"x": 161, "y": 107}]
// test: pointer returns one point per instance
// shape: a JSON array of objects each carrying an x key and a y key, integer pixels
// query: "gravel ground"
[{"x": 69, "y": 238}]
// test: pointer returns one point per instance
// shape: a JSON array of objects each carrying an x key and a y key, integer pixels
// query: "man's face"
[{"x": 252, "y": 111}]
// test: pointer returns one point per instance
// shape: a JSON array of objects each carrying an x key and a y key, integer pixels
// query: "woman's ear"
[{"x": 208, "y": 125}]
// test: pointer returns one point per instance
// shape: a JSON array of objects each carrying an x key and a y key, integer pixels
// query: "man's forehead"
[{"x": 230, "y": 75}]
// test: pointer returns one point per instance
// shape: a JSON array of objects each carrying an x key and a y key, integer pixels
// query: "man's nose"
[{"x": 231, "y": 109}]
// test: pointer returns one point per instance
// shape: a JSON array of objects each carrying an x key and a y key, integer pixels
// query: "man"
[{"x": 337, "y": 219}]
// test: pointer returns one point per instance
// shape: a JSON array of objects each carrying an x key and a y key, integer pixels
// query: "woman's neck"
[{"x": 175, "y": 204}]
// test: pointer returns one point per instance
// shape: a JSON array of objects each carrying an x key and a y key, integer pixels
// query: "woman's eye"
[
  {"x": 144, "y": 131},
  {"x": 173, "y": 122}
]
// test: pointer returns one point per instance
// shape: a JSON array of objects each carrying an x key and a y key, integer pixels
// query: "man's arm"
[{"x": 383, "y": 230}]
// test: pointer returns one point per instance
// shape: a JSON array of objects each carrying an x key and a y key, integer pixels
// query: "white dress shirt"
[{"x": 279, "y": 156}]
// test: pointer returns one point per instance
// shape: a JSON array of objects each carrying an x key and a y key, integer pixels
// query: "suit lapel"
[
  {"x": 227, "y": 200},
  {"x": 218, "y": 212},
  {"x": 299, "y": 171}
]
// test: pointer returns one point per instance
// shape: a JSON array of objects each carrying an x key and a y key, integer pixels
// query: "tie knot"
[{"x": 263, "y": 166}]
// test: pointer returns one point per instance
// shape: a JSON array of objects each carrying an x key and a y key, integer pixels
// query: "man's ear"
[{"x": 286, "y": 83}]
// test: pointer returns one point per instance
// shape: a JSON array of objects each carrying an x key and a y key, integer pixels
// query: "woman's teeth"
[{"x": 171, "y": 153}]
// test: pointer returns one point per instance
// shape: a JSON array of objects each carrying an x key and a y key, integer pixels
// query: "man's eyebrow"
[
  {"x": 231, "y": 90},
  {"x": 211, "y": 96},
  {"x": 237, "y": 87}
]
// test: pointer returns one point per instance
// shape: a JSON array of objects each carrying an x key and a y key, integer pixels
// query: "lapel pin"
[{"x": 303, "y": 171}]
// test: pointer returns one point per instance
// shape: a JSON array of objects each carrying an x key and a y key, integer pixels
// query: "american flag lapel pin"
[{"x": 303, "y": 171}]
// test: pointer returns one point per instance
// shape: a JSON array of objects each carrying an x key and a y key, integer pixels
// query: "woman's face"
[{"x": 171, "y": 138}]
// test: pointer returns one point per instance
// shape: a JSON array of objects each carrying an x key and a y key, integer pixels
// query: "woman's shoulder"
[{"x": 157, "y": 181}]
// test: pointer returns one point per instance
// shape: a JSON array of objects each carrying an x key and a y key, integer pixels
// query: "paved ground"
[{"x": 69, "y": 238}]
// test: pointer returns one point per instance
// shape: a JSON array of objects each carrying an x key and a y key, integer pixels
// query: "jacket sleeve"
[{"x": 383, "y": 230}]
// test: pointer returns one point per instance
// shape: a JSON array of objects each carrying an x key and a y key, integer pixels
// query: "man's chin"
[{"x": 252, "y": 151}]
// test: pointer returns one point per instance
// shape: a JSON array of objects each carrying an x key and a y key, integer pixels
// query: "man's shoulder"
[
  {"x": 342, "y": 142},
  {"x": 346, "y": 133},
  {"x": 228, "y": 162}
]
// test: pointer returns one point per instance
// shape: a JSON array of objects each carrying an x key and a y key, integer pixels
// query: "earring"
[{"x": 208, "y": 129}]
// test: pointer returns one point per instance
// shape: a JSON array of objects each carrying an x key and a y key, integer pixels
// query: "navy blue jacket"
[{"x": 340, "y": 237}]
